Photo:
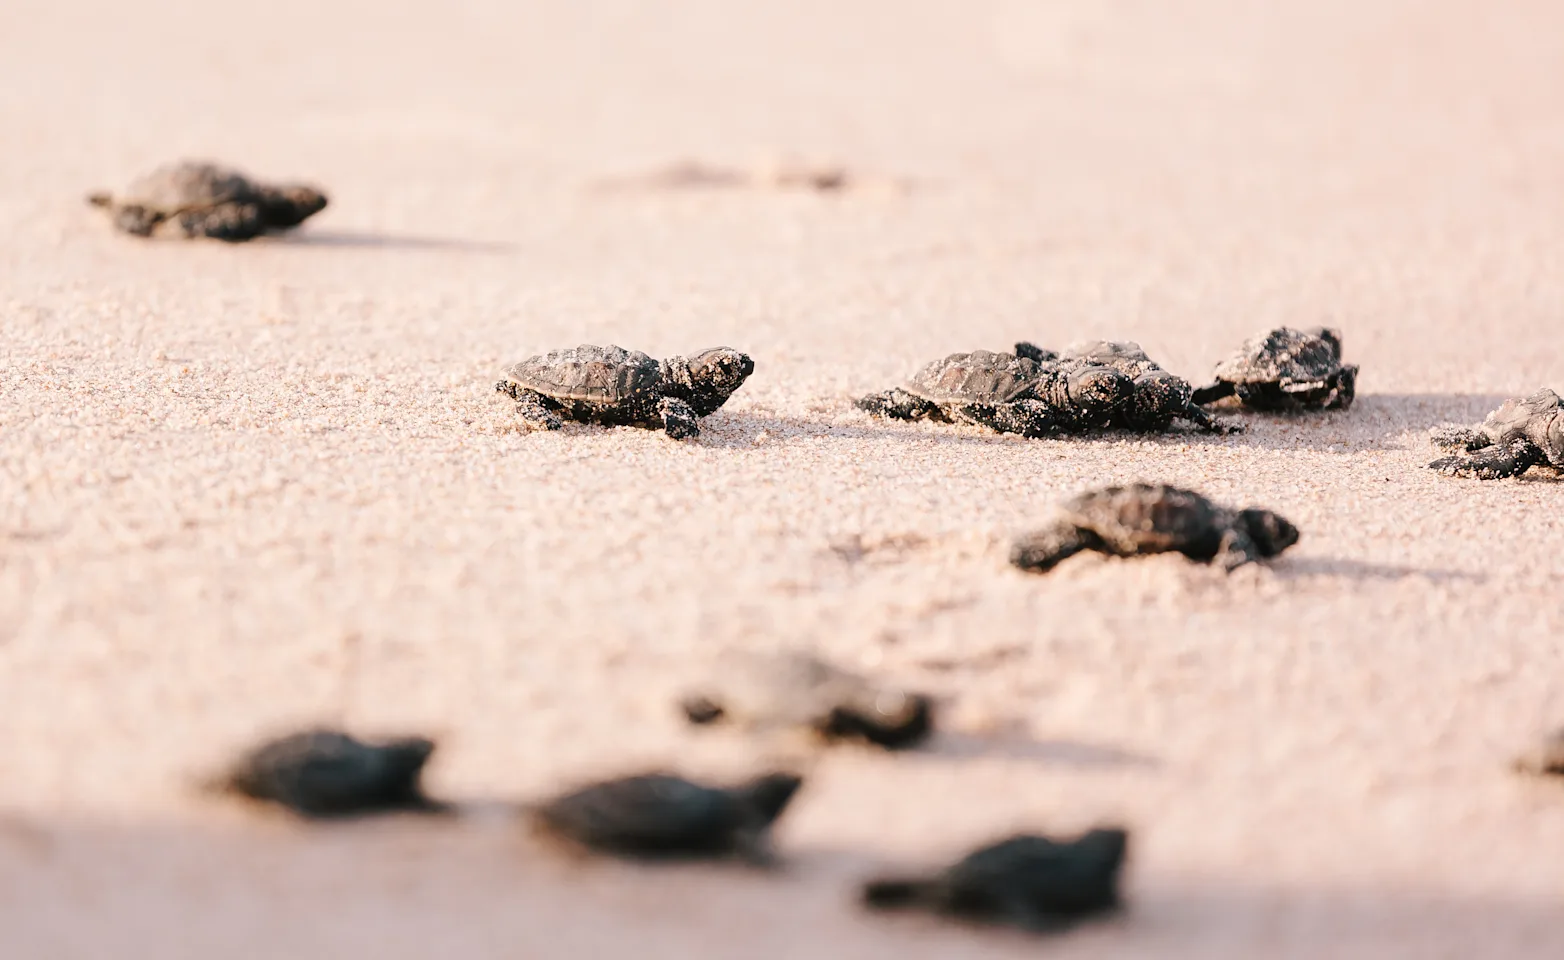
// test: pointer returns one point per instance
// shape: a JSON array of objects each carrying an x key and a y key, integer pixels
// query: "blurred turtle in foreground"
[
  {"x": 326, "y": 773},
  {"x": 659, "y": 815},
  {"x": 199, "y": 199},
  {"x": 1027, "y": 880}
]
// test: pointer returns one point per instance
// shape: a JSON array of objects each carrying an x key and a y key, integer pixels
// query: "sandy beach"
[{"x": 248, "y": 487}]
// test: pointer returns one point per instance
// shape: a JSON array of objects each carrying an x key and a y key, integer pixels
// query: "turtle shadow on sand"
[
  {"x": 1303, "y": 567},
  {"x": 375, "y": 240},
  {"x": 745, "y": 429},
  {"x": 960, "y": 745},
  {"x": 1376, "y": 422}
]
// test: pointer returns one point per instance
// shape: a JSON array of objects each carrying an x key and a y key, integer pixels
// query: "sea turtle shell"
[
  {"x": 188, "y": 185},
  {"x": 1285, "y": 355},
  {"x": 1125, "y": 356},
  {"x": 1143, "y": 518},
  {"x": 594, "y": 374},
  {"x": 977, "y": 377}
]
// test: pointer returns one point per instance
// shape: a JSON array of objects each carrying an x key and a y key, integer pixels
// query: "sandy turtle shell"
[
  {"x": 1142, "y": 518},
  {"x": 1286, "y": 369},
  {"x": 589, "y": 373},
  {"x": 981, "y": 376},
  {"x": 796, "y": 690},
  {"x": 327, "y": 773},
  {"x": 184, "y": 186},
  {"x": 1027, "y": 880},
  {"x": 662, "y": 815}
]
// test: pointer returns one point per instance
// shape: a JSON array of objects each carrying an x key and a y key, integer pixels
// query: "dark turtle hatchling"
[
  {"x": 1286, "y": 370},
  {"x": 658, "y": 815},
  {"x": 1159, "y": 397},
  {"x": 612, "y": 385},
  {"x": 793, "y": 690},
  {"x": 325, "y": 773},
  {"x": 195, "y": 199},
  {"x": 1008, "y": 393},
  {"x": 1154, "y": 518},
  {"x": 1545, "y": 757},
  {"x": 1027, "y": 880},
  {"x": 1522, "y": 433}
]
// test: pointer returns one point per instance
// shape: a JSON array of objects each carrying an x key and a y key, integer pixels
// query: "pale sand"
[{"x": 249, "y": 486}]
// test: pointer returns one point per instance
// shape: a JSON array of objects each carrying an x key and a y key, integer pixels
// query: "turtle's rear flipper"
[
  {"x": 229, "y": 222},
  {"x": 679, "y": 418},
  {"x": 897, "y": 404},
  {"x": 1208, "y": 424},
  {"x": 1041, "y": 551},
  {"x": 1212, "y": 393},
  {"x": 1491, "y": 463}
]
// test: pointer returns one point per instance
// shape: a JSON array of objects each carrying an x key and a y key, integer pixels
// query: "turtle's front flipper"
[
  {"x": 1029, "y": 418},
  {"x": 898, "y": 404},
  {"x": 1041, "y": 551},
  {"x": 531, "y": 409},
  {"x": 1212, "y": 393},
  {"x": 1237, "y": 548},
  {"x": 1208, "y": 424},
  {"x": 1492, "y": 463},
  {"x": 1343, "y": 388},
  {"x": 229, "y": 222},
  {"x": 679, "y": 418}
]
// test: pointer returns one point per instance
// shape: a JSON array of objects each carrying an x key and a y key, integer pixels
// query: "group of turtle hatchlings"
[{"x": 1030, "y": 880}]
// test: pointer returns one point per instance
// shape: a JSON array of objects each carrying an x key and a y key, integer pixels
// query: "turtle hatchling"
[
  {"x": 1286, "y": 370},
  {"x": 1158, "y": 396},
  {"x": 1028, "y": 880},
  {"x": 659, "y": 815},
  {"x": 1032, "y": 395},
  {"x": 1523, "y": 433},
  {"x": 795, "y": 690},
  {"x": 1545, "y": 757},
  {"x": 614, "y": 386},
  {"x": 326, "y": 773},
  {"x": 1145, "y": 518},
  {"x": 199, "y": 199}
]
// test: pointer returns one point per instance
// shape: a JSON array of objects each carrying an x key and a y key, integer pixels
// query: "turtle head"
[
  {"x": 291, "y": 205},
  {"x": 894, "y": 720},
  {"x": 1097, "y": 391},
  {"x": 714, "y": 375},
  {"x": 1332, "y": 338},
  {"x": 1271, "y": 532}
]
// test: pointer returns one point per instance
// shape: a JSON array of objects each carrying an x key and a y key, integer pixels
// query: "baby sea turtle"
[
  {"x": 659, "y": 815},
  {"x": 794, "y": 690},
  {"x": 198, "y": 199},
  {"x": 1545, "y": 757},
  {"x": 1008, "y": 393},
  {"x": 326, "y": 773},
  {"x": 1027, "y": 880},
  {"x": 1285, "y": 370},
  {"x": 1159, "y": 396},
  {"x": 1522, "y": 433},
  {"x": 612, "y": 385},
  {"x": 1154, "y": 518}
]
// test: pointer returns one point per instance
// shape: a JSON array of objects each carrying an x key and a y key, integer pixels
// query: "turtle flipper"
[
  {"x": 1237, "y": 549},
  {"x": 1029, "y": 418},
  {"x": 898, "y": 404},
  {"x": 229, "y": 222},
  {"x": 1343, "y": 388},
  {"x": 1492, "y": 463},
  {"x": 679, "y": 418},
  {"x": 1212, "y": 393},
  {"x": 1451, "y": 438},
  {"x": 1027, "y": 350},
  {"x": 136, "y": 220},
  {"x": 1041, "y": 551},
  {"x": 532, "y": 411},
  {"x": 1206, "y": 423}
]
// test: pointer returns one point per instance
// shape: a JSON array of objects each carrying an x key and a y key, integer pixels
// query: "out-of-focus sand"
[{"x": 243, "y": 487}]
